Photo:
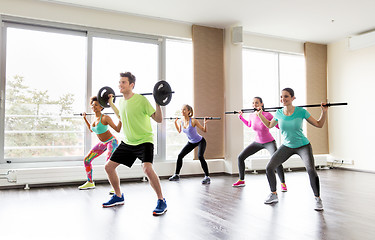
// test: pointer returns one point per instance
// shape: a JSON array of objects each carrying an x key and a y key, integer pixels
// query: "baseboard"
[{"x": 355, "y": 170}]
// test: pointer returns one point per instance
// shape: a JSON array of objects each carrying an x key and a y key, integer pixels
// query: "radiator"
[
  {"x": 10, "y": 176},
  {"x": 255, "y": 164}
]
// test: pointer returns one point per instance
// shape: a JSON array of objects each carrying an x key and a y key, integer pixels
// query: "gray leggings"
[
  {"x": 253, "y": 148},
  {"x": 282, "y": 154}
]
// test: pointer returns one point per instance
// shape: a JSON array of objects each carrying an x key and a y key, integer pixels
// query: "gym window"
[
  {"x": 179, "y": 65},
  {"x": 49, "y": 71},
  {"x": 265, "y": 74},
  {"x": 44, "y": 82}
]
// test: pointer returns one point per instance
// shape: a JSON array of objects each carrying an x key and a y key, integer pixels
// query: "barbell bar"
[
  {"x": 270, "y": 109},
  {"x": 209, "y": 118},
  {"x": 162, "y": 94},
  {"x": 80, "y": 114},
  {"x": 249, "y": 110}
]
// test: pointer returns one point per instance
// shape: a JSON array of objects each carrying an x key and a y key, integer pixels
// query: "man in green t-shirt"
[{"x": 134, "y": 112}]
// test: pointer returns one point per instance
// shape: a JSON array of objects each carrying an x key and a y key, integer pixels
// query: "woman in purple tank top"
[{"x": 189, "y": 125}]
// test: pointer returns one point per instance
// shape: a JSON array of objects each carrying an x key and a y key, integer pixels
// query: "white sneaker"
[
  {"x": 318, "y": 204},
  {"x": 272, "y": 198}
]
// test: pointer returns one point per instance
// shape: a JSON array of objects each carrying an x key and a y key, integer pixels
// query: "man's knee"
[
  {"x": 110, "y": 166},
  {"x": 147, "y": 168}
]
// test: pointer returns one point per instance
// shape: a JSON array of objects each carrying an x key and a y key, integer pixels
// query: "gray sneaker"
[
  {"x": 272, "y": 198},
  {"x": 318, "y": 204},
  {"x": 175, "y": 177},
  {"x": 206, "y": 180}
]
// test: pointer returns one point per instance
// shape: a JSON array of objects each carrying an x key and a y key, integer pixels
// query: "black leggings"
[
  {"x": 252, "y": 149},
  {"x": 282, "y": 154},
  {"x": 187, "y": 149}
]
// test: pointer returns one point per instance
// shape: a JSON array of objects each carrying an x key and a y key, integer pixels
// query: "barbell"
[
  {"x": 209, "y": 118},
  {"x": 162, "y": 94},
  {"x": 272, "y": 109},
  {"x": 88, "y": 114},
  {"x": 169, "y": 118}
]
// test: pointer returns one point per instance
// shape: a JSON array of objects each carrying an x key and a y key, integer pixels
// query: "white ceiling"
[{"x": 319, "y": 21}]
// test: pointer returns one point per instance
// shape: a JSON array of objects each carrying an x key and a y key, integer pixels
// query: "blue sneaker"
[
  {"x": 161, "y": 207},
  {"x": 114, "y": 201}
]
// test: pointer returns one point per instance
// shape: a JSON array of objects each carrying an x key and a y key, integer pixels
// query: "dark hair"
[
  {"x": 260, "y": 100},
  {"x": 190, "y": 109},
  {"x": 290, "y": 91},
  {"x": 94, "y": 99},
  {"x": 130, "y": 76}
]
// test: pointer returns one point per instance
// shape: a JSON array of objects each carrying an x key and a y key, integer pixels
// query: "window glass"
[
  {"x": 260, "y": 73},
  {"x": 179, "y": 73},
  {"x": 293, "y": 75},
  {"x": 265, "y": 74},
  {"x": 111, "y": 57},
  {"x": 45, "y": 85}
]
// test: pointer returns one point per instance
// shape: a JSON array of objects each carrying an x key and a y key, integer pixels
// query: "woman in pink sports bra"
[
  {"x": 107, "y": 140},
  {"x": 263, "y": 140}
]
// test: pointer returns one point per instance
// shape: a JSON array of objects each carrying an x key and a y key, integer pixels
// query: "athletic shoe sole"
[
  {"x": 158, "y": 214},
  {"x": 86, "y": 188},
  {"x": 284, "y": 190},
  {"x": 114, "y": 204},
  {"x": 318, "y": 209},
  {"x": 273, "y": 201},
  {"x": 240, "y": 185}
]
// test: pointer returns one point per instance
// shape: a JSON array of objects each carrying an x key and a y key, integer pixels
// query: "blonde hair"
[{"x": 190, "y": 109}]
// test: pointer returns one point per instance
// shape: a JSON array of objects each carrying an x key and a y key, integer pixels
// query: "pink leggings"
[{"x": 96, "y": 151}]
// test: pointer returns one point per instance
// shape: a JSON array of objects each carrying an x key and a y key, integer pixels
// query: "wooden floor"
[{"x": 195, "y": 211}]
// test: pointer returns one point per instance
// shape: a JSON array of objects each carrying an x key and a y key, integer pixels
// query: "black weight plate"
[
  {"x": 103, "y": 96},
  {"x": 162, "y": 93}
]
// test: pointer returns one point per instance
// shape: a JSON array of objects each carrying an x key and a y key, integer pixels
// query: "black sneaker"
[
  {"x": 175, "y": 177},
  {"x": 206, "y": 180}
]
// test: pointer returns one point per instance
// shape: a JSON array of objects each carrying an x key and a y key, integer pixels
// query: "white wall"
[
  {"x": 93, "y": 18},
  {"x": 272, "y": 43},
  {"x": 351, "y": 78}
]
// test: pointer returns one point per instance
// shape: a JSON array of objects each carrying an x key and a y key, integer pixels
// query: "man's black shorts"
[{"x": 127, "y": 154}]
